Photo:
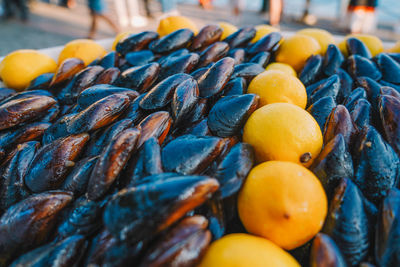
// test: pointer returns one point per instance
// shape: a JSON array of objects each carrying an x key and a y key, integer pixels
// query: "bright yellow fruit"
[
  {"x": 227, "y": 29},
  {"x": 243, "y": 250},
  {"x": 275, "y": 86},
  {"x": 262, "y": 30},
  {"x": 283, "y": 131},
  {"x": 286, "y": 68},
  {"x": 296, "y": 50},
  {"x": 20, "y": 67},
  {"x": 119, "y": 37},
  {"x": 174, "y": 23},
  {"x": 395, "y": 48},
  {"x": 373, "y": 43},
  {"x": 323, "y": 37},
  {"x": 84, "y": 49},
  {"x": 283, "y": 202}
]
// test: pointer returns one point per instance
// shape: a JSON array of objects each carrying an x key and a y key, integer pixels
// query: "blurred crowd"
[{"x": 359, "y": 16}]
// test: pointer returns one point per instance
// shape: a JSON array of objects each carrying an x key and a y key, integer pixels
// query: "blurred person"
[
  {"x": 238, "y": 7},
  {"x": 128, "y": 13},
  {"x": 275, "y": 12},
  {"x": 264, "y": 6},
  {"x": 97, "y": 11},
  {"x": 362, "y": 15},
  {"x": 147, "y": 8},
  {"x": 206, "y": 4},
  {"x": 308, "y": 18},
  {"x": 9, "y": 7},
  {"x": 169, "y": 8}
]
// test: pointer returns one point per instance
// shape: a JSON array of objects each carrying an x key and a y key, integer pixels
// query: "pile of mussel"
[{"x": 137, "y": 159}]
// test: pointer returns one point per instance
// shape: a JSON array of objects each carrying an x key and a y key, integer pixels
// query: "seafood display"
[{"x": 138, "y": 158}]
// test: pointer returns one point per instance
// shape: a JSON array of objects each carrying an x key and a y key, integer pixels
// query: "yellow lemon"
[
  {"x": 174, "y": 23},
  {"x": 227, "y": 29},
  {"x": 262, "y": 30},
  {"x": 283, "y": 202},
  {"x": 283, "y": 131},
  {"x": 395, "y": 48},
  {"x": 275, "y": 86},
  {"x": 323, "y": 37},
  {"x": 119, "y": 37},
  {"x": 243, "y": 250},
  {"x": 84, "y": 49},
  {"x": 296, "y": 50},
  {"x": 373, "y": 43},
  {"x": 20, "y": 67},
  {"x": 286, "y": 68}
]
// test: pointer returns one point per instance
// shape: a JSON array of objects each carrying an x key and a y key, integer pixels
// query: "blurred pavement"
[{"x": 51, "y": 25}]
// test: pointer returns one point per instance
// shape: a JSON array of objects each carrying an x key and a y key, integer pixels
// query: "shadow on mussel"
[
  {"x": 208, "y": 35},
  {"x": 67, "y": 252},
  {"x": 183, "y": 245},
  {"x": 389, "y": 111},
  {"x": 138, "y": 213},
  {"x": 28, "y": 223},
  {"x": 350, "y": 223},
  {"x": 346, "y": 85},
  {"x": 376, "y": 164},
  {"x": 333, "y": 163},
  {"x": 324, "y": 252},
  {"x": 387, "y": 246},
  {"x": 229, "y": 114}
]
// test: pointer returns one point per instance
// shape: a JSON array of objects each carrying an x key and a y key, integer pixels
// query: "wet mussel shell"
[
  {"x": 208, "y": 35},
  {"x": 321, "y": 109},
  {"x": 357, "y": 47},
  {"x": 140, "y": 58},
  {"x": 389, "y": 111},
  {"x": 333, "y": 59},
  {"x": 213, "y": 53},
  {"x": 268, "y": 43},
  {"x": 139, "y": 78},
  {"x": 138, "y": 213},
  {"x": 312, "y": 70},
  {"x": 171, "y": 42},
  {"x": 247, "y": 71},
  {"x": 241, "y": 37},
  {"x": 135, "y": 42},
  {"x": 324, "y": 252},
  {"x": 358, "y": 66},
  {"x": 184, "y": 100},
  {"x": 229, "y": 114}
]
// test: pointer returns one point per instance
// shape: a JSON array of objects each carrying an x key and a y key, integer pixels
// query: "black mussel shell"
[
  {"x": 333, "y": 163},
  {"x": 139, "y": 78},
  {"x": 387, "y": 245},
  {"x": 171, "y": 56},
  {"x": 247, "y": 71},
  {"x": 25, "y": 94},
  {"x": 229, "y": 114},
  {"x": 237, "y": 86},
  {"x": 241, "y": 37},
  {"x": 329, "y": 88},
  {"x": 357, "y": 47},
  {"x": 5, "y": 93},
  {"x": 238, "y": 54},
  {"x": 109, "y": 76},
  {"x": 261, "y": 58},
  {"x": 181, "y": 64},
  {"x": 138, "y": 213},
  {"x": 134, "y": 112},
  {"x": 28, "y": 132},
  {"x": 321, "y": 109},
  {"x": 184, "y": 100},
  {"x": 346, "y": 85},
  {"x": 213, "y": 53},
  {"x": 324, "y": 252},
  {"x": 208, "y": 35},
  {"x": 389, "y": 67},
  {"x": 135, "y": 42},
  {"x": 351, "y": 100},
  {"x": 171, "y": 42},
  {"x": 312, "y": 70},
  {"x": 183, "y": 245},
  {"x": 190, "y": 154},
  {"x": 41, "y": 82},
  {"x": 340, "y": 121},
  {"x": 333, "y": 59},
  {"x": 234, "y": 168},
  {"x": 358, "y": 66},
  {"x": 199, "y": 72},
  {"x": 377, "y": 166},
  {"x": 139, "y": 58},
  {"x": 348, "y": 223},
  {"x": 361, "y": 113},
  {"x": 109, "y": 60},
  {"x": 156, "y": 124},
  {"x": 199, "y": 129},
  {"x": 389, "y": 111},
  {"x": 266, "y": 44},
  {"x": 213, "y": 81},
  {"x": 386, "y": 90},
  {"x": 161, "y": 94}
]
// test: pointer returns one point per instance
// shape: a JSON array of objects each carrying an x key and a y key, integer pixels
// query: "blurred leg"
[
  {"x": 147, "y": 8},
  {"x": 275, "y": 10},
  {"x": 8, "y": 8},
  {"x": 93, "y": 26},
  {"x": 137, "y": 20},
  {"x": 23, "y": 9},
  {"x": 122, "y": 12},
  {"x": 110, "y": 22}
]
